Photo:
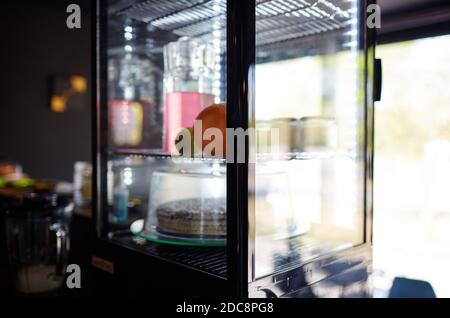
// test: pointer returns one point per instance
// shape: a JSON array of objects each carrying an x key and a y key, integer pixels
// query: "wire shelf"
[
  {"x": 276, "y": 20},
  {"x": 150, "y": 10},
  {"x": 184, "y": 18},
  {"x": 283, "y": 20},
  {"x": 212, "y": 260},
  {"x": 195, "y": 20}
]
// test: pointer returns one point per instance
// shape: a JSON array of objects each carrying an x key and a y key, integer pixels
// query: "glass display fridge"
[{"x": 233, "y": 149}]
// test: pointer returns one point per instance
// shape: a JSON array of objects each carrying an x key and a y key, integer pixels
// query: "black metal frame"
[
  {"x": 240, "y": 274},
  {"x": 100, "y": 118},
  {"x": 370, "y": 92},
  {"x": 241, "y": 61}
]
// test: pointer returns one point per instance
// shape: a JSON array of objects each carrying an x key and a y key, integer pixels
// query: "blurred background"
[
  {"x": 43, "y": 63},
  {"x": 412, "y": 139},
  {"x": 412, "y": 163},
  {"x": 37, "y": 47}
]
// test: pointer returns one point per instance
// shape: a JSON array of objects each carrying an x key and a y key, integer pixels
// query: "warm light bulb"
[
  {"x": 78, "y": 84},
  {"x": 58, "y": 104}
]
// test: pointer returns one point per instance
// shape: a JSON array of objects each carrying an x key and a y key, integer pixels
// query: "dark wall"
[{"x": 36, "y": 44}]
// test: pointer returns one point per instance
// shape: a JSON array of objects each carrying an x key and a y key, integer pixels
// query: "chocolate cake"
[{"x": 193, "y": 217}]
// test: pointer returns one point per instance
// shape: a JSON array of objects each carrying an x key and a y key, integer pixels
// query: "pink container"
[{"x": 180, "y": 111}]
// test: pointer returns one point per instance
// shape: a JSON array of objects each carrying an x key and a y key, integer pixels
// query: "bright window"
[{"x": 412, "y": 164}]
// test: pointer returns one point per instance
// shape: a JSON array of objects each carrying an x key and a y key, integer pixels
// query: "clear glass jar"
[
  {"x": 188, "y": 85},
  {"x": 274, "y": 211},
  {"x": 133, "y": 103},
  {"x": 318, "y": 134},
  {"x": 82, "y": 184},
  {"x": 279, "y": 135}
]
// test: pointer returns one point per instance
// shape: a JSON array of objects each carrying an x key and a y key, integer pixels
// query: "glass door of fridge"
[{"x": 307, "y": 196}]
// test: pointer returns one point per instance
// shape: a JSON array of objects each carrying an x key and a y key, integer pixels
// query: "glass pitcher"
[{"x": 37, "y": 238}]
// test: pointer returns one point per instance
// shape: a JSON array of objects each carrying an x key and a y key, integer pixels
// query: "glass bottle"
[
  {"x": 188, "y": 85},
  {"x": 120, "y": 206},
  {"x": 133, "y": 98}
]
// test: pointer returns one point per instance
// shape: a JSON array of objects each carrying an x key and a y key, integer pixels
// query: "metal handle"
[
  {"x": 378, "y": 77},
  {"x": 61, "y": 248}
]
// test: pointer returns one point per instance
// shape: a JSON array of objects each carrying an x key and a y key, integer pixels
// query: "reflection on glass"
[
  {"x": 273, "y": 202},
  {"x": 318, "y": 110}
]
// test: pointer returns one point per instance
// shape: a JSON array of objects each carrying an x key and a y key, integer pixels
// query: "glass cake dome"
[{"x": 187, "y": 206}]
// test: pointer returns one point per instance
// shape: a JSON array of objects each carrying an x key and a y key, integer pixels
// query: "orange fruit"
[{"x": 214, "y": 116}]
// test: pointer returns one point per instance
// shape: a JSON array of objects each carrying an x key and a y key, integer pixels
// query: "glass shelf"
[
  {"x": 137, "y": 228},
  {"x": 319, "y": 155},
  {"x": 157, "y": 154}
]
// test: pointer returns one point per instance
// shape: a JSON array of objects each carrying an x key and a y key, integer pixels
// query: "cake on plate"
[{"x": 193, "y": 217}]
